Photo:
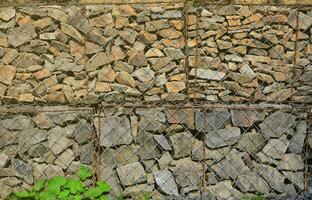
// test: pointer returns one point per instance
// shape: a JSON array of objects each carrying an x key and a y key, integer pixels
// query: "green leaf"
[
  {"x": 75, "y": 186},
  {"x": 55, "y": 184},
  {"x": 77, "y": 197},
  {"x": 104, "y": 197},
  {"x": 47, "y": 196},
  {"x": 63, "y": 195},
  {"x": 101, "y": 188},
  {"x": 24, "y": 194},
  {"x": 84, "y": 173},
  {"x": 39, "y": 185}
]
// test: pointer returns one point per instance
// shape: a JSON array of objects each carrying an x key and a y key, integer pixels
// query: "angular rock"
[
  {"x": 166, "y": 182},
  {"x": 208, "y": 121},
  {"x": 7, "y": 73},
  {"x": 57, "y": 139},
  {"x": 131, "y": 174},
  {"x": 181, "y": 116},
  {"x": 162, "y": 142},
  {"x": 25, "y": 60},
  {"x": 291, "y": 162},
  {"x": 297, "y": 141},
  {"x": 72, "y": 32},
  {"x": 251, "y": 142},
  {"x": 114, "y": 131},
  {"x": 125, "y": 78},
  {"x": 144, "y": 74},
  {"x": 174, "y": 54},
  {"x": 182, "y": 144},
  {"x": 23, "y": 170},
  {"x": 65, "y": 159},
  {"x": 277, "y": 123},
  {"x": 97, "y": 60},
  {"x": 207, "y": 74},
  {"x": 7, "y": 13},
  {"x": 102, "y": 21},
  {"x": 175, "y": 86},
  {"x": 43, "y": 121},
  {"x": 251, "y": 182},
  {"x": 148, "y": 147},
  {"x": 223, "y": 190},
  {"x": 296, "y": 177},
  {"x": 244, "y": 118},
  {"x": 223, "y": 137},
  {"x": 21, "y": 35},
  {"x": 276, "y": 148}
]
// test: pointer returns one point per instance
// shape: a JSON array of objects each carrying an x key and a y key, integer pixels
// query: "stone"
[
  {"x": 182, "y": 144},
  {"x": 207, "y": 74},
  {"x": 21, "y": 35},
  {"x": 129, "y": 35},
  {"x": 131, "y": 174},
  {"x": 173, "y": 53},
  {"x": 175, "y": 86},
  {"x": 126, "y": 154},
  {"x": 304, "y": 20},
  {"x": 281, "y": 95},
  {"x": 170, "y": 33},
  {"x": 181, "y": 116},
  {"x": 277, "y": 123},
  {"x": 187, "y": 173},
  {"x": 138, "y": 59},
  {"x": 223, "y": 190},
  {"x": 123, "y": 10},
  {"x": 291, "y": 162},
  {"x": 97, "y": 60},
  {"x": 166, "y": 182},
  {"x": 246, "y": 70},
  {"x": 72, "y": 32},
  {"x": 251, "y": 142},
  {"x": 297, "y": 141},
  {"x": 125, "y": 78},
  {"x": 3, "y": 158},
  {"x": 211, "y": 121},
  {"x": 224, "y": 44},
  {"x": 223, "y": 137},
  {"x": 102, "y": 21},
  {"x": 153, "y": 52},
  {"x": 148, "y": 147},
  {"x": 296, "y": 177},
  {"x": 138, "y": 190},
  {"x": 251, "y": 182},
  {"x": 7, "y": 74},
  {"x": 275, "y": 148},
  {"x": 57, "y": 139},
  {"x": 272, "y": 176},
  {"x": 23, "y": 170},
  {"x": 114, "y": 131},
  {"x": 144, "y": 74},
  {"x": 162, "y": 142},
  {"x": 65, "y": 159},
  {"x": 7, "y": 13},
  {"x": 231, "y": 166},
  {"x": 17, "y": 123},
  {"x": 102, "y": 87},
  {"x": 147, "y": 38},
  {"x": 165, "y": 160},
  {"x": 107, "y": 74},
  {"x": 244, "y": 118},
  {"x": 25, "y": 60}
]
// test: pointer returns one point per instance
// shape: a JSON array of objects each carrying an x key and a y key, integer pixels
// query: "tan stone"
[
  {"x": 7, "y": 73},
  {"x": 169, "y": 33},
  {"x": 44, "y": 73},
  {"x": 25, "y": 20},
  {"x": 43, "y": 23},
  {"x": 280, "y": 76},
  {"x": 123, "y": 10},
  {"x": 72, "y": 32},
  {"x": 26, "y": 97},
  {"x": 102, "y": 87},
  {"x": 146, "y": 37},
  {"x": 175, "y": 86},
  {"x": 121, "y": 22},
  {"x": 281, "y": 95},
  {"x": 102, "y": 21},
  {"x": 154, "y": 52},
  {"x": 107, "y": 74},
  {"x": 253, "y": 18},
  {"x": 234, "y": 22},
  {"x": 117, "y": 53},
  {"x": 125, "y": 78},
  {"x": 179, "y": 43},
  {"x": 4, "y": 42},
  {"x": 177, "y": 24},
  {"x": 56, "y": 97}
]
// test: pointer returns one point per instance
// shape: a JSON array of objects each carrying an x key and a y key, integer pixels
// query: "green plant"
[
  {"x": 62, "y": 188},
  {"x": 252, "y": 197}
]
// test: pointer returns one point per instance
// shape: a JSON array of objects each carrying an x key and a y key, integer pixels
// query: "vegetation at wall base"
[{"x": 63, "y": 188}]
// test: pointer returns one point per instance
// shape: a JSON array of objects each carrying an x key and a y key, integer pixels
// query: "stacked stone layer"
[{"x": 160, "y": 151}]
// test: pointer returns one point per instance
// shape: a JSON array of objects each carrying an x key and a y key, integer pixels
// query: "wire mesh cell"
[
  {"x": 242, "y": 53},
  {"x": 42, "y": 142}
]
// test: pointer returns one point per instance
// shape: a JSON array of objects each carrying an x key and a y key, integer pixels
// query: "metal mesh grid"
[{"x": 42, "y": 142}]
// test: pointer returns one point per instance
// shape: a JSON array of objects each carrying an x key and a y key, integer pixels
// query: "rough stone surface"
[
  {"x": 131, "y": 174},
  {"x": 165, "y": 182}
]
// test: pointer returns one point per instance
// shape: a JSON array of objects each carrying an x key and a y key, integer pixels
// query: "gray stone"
[
  {"x": 276, "y": 148},
  {"x": 131, "y": 174},
  {"x": 272, "y": 176},
  {"x": 208, "y": 121},
  {"x": 223, "y": 137},
  {"x": 277, "y": 124},
  {"x": 126, "y": 154},
  {"x": 251, "y": 142},
  {"x": 23, "y": 170},
  {"x": 223, "y": 190},
  {"x": 43, "y": 121},
  {"x": 291, "y": 162},
  {"x": 21, "y": 35},
  {"x": 162, "y": 142},
  {"x": 129, "y": 35},
  {"x": 64, "y": 118},
  {"x": 252, "y": 182},
  {"x": 182, "y": 144},
  {"x": 82, "y": 132},
  {"x": 3, "y": 159},
  {"x": 231, "y": 166},
  {"x": 114, "y": 131},
  {"x": 25, "y": 60},
  {"x": 296, "y": 177},
  {"x": 165, "y": 160},
  {"x": 17, "y": 123},
  {"x": 166, "y": 182},
  {"x": 78, "y": 20},
  {"x": 181, "y": 116},
  {"x": 187, "y": 173},
  {"x": 144, "y": 74},
  {"x": 244, "y": 118},
  {"x": 148, "y": 147},
  {"x": 65, "y": 159},
  {"x": 207, "y": 74},
  {"x": 57, "y": 139},
  {"x": 97, "y": 60},
  {"x": 297, "y": 141},
  {"x": 174, "y": 54}
]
